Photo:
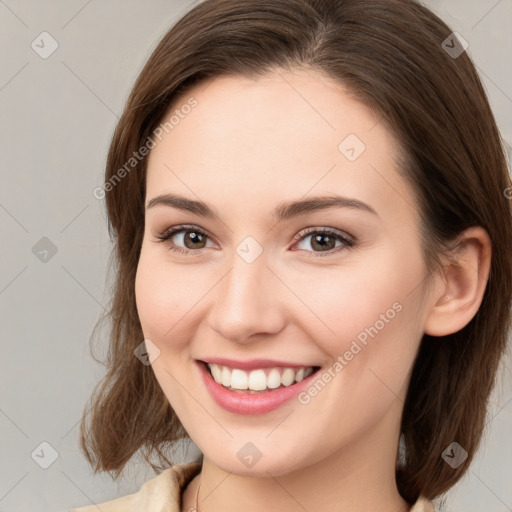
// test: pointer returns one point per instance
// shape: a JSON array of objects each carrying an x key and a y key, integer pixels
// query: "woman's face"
[{"x": 252, "y": 284}]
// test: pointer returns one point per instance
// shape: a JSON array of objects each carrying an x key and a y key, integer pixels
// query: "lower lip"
[{"x": 251, "y": 404}]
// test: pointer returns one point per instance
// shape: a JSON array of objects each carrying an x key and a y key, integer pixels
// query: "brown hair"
[{"x": 389, "y": 54}]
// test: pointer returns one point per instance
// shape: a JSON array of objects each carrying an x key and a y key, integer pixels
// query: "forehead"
[{"x": 281, "y": 136}]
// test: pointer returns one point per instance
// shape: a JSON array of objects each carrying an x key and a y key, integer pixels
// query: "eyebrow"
[{"x": 282, "y": 212}]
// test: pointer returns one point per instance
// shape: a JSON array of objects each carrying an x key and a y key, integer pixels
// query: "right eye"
[{"x": 189, "y": 235}]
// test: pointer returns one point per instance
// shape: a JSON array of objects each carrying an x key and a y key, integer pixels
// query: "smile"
[
  {"x": 237, "y": 393},
  {"x": 259, "y": 380}
]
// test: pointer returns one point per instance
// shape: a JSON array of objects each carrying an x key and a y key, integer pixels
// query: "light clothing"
[{"x": 163, "y": 494}]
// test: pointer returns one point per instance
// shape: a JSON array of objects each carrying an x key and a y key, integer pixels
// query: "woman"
[{"x": 313, "y": 276}]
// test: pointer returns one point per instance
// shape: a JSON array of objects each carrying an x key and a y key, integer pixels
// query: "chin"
[{"x": 275, "y": 463}]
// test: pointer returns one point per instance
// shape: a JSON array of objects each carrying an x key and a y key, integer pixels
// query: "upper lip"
[{"x": 253, "y": 364}]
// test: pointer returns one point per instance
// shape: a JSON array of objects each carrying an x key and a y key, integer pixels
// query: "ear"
[{"x": 464, "y": 279}]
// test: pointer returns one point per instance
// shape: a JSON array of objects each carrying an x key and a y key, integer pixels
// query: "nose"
[{"x": 248, "y": 302}]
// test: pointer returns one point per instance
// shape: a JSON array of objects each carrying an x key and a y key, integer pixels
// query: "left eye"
[{"x": 322, "y": 240}]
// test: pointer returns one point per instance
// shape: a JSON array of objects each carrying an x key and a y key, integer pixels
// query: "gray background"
[{"x": 58, "y": 115}]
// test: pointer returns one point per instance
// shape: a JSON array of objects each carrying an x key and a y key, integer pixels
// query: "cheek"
[
  {"x": 162, "y": 298},
  {"x": 343, "y": 303},
  {"x": 370, "y": 357},
  {"x": 368, "y": 322}
]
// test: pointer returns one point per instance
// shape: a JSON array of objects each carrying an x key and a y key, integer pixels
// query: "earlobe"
[{"x": 465, "y": 277}]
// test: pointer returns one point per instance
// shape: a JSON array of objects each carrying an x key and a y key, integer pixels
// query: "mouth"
[
  {"x": 261, "y": 380},
  {"x": 235, "y": 391}
]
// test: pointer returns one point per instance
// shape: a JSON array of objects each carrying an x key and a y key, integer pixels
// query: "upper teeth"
[{"x": 257, "y": 380}]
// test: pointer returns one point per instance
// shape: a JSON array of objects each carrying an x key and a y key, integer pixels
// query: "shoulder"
[
  {"x": 423, "y": 505},
  {"x": 162, "y": 492}
]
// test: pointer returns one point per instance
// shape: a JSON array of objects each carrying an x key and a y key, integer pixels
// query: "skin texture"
[{"x": 248, "y": 146}]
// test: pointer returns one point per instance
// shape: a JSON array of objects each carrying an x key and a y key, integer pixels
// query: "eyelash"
[{"x": 166, "y": 235}]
